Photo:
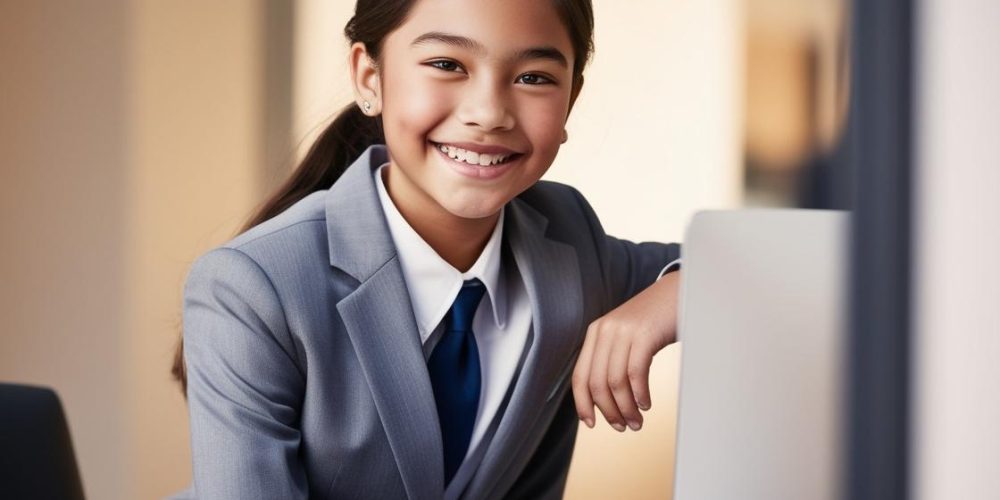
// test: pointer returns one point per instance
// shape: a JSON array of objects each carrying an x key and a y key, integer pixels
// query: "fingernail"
[
  {"x": 635, "y": 425},
  {"x": 589, "y": 421},
  {"x": 618, "y": 427},
  {"x": 643, "y": 406}
]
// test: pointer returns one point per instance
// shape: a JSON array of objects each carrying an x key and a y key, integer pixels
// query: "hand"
[{"x": 613, "y": 368}]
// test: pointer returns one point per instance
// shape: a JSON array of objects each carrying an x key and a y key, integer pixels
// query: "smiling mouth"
[{"x": 475, "y": 159}]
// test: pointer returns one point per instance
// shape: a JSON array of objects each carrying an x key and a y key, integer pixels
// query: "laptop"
[{"x": 762, "y": 332}]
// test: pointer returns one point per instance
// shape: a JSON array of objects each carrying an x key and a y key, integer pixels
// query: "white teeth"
[{"x": 472, "y": 157}]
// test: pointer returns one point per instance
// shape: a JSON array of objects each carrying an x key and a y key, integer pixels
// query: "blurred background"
[{"x": 136, "y": 135}]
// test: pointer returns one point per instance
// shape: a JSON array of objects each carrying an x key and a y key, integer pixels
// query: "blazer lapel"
[
  {"x": 550, "y": 272},
  {"x": 379, "y": 320}
]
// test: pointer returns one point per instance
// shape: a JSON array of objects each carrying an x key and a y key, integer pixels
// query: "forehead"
[{"x": 500, "y": 26}]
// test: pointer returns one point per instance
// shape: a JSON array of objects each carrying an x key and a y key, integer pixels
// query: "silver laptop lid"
[{"x": 761, "y": 330}]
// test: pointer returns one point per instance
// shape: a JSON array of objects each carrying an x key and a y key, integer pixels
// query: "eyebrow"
[{"x": 547, "y": 52}]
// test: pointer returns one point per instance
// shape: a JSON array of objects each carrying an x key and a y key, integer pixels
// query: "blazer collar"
[{"x": 357, "y": 234}]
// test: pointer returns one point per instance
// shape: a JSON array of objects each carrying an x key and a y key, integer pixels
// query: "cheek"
[
  {"x": 543, "y": 123},
  {"x": 413, "y": 109}
]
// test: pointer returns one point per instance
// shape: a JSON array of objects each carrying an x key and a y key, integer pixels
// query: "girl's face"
[{"x": 474, "y": 96}]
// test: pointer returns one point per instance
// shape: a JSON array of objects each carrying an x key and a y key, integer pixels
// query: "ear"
[
  {"x": 365, "y": 78},
  {"x": 577, "y": 87}
]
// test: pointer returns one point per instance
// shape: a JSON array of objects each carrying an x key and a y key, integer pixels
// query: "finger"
[
  {"x": 581, "y": 378},
  {"x": 639, "y": 360},
  {"x": 618, "y": 382},
  {"x": 599, "y": 389}
]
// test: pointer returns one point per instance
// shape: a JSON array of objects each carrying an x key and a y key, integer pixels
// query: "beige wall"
[
  {"x": 64, "y": 217},
  {"x": 132, "y": 137},
  {"x": 197, "y": 105},
  {"x": 136, "y": 135}
]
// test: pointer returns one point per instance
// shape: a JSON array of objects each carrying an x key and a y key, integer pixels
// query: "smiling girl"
[{"x": 406, "y": 316}]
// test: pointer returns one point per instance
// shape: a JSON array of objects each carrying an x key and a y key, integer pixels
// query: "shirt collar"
[{"x": 431, "y": 281}]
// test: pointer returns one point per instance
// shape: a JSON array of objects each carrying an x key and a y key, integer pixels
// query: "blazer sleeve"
[
  {"x": 244, "y": 383},
  {"x": 627, "y": 267}
]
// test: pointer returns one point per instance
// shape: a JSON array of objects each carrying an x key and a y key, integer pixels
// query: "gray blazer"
[{"x": 306, "y": 375}]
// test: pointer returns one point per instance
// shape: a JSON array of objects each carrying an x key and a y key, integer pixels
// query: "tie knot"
[{"x": 464, "y": 308}]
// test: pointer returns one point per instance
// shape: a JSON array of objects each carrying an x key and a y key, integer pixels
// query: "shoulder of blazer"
[{"x": 288, "y": 239}]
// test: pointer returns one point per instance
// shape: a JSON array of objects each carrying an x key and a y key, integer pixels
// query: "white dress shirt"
[{"x": 501, "y": 323}]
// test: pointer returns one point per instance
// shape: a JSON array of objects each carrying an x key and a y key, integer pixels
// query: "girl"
[{"x": 405, "y": 317}]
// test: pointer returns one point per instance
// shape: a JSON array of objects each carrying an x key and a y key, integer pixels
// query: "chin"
[{"x": 471, "y": 210}]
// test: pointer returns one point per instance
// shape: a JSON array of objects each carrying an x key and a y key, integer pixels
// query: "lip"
[{"x": 476, "y": 171}]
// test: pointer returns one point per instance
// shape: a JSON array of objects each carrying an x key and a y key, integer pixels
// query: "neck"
[{"x": 459, "y": 241}]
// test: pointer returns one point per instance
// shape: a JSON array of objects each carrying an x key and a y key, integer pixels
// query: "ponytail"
[{"x": 334, "y": 150}]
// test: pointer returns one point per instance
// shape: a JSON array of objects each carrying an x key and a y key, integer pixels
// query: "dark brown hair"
[{"x": 351, "y": 132}]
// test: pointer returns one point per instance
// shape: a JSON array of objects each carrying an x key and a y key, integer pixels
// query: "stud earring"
[{"x": 368, "y": 107}]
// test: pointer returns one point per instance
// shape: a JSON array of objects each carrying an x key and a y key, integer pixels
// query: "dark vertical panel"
[{"x": 879, "y": 153}]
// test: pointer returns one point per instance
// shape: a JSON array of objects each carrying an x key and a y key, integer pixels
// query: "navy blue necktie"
[{"x": 455, "y": 376}]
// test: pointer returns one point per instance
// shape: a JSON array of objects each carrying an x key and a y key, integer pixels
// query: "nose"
[{"x": 486, "y": 106}]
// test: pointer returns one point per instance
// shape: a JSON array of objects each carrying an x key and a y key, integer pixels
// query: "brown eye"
[
  {"x": 445, "y": 65},
  {"x": 533, "y": 79}
]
